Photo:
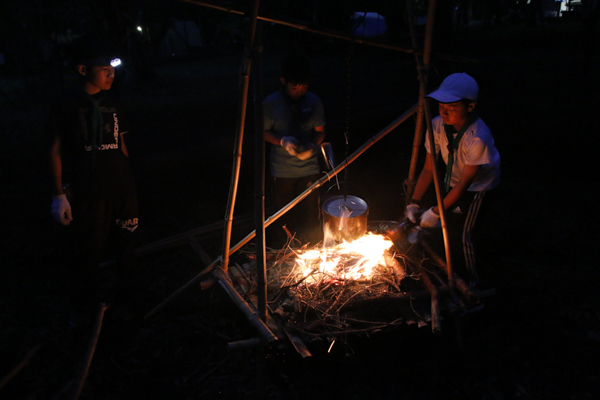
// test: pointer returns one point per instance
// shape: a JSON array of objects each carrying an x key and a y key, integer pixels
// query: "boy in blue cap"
[
  {"x": 93, "y": 187},
  {"x": 473, "y": 167}
]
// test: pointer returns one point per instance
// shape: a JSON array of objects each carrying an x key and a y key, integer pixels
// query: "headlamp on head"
[{"x": 115, "y": 62}]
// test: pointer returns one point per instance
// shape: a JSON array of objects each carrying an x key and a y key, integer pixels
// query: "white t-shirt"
[{"x": 476, "y": 148}]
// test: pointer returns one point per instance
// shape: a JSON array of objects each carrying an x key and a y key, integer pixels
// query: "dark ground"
[{"x": 537, "y": 338}]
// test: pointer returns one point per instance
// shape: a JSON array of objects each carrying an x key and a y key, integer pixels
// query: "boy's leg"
[
  {"x": 463, "y": 218},
  {"x": 125, "y": 222},
  {"x": 307, "y": 212},
  {"x": 283, "y": 192},
  {"x": 467, "y": 239},
  {"x": 90, "y": 230}
]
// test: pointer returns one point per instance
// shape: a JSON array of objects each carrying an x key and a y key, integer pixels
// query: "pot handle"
[{"x": 345, "y": 190}]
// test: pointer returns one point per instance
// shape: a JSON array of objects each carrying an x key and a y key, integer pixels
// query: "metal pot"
[{"x": 345, "y": 218}]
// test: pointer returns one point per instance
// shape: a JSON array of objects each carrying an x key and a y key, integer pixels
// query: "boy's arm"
[
  {"x": 424, "y": 180},
  {"x": 460, "y": 188},
  {"x": 60, "y": 209},
  {"x": 123, "y": 146},
  {"x": 56, "y": 166},
  {"x": 319, "y": 135},
  {"x": 272, "y": 138}
]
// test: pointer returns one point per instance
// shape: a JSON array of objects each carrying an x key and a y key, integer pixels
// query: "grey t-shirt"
[{"x": 285, "y": 117}]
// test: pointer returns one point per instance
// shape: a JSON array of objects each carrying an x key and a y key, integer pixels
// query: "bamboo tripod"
[{"x": 217, "y": 270}]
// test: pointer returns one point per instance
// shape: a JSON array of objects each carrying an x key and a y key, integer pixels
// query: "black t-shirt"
[{"x": 92, "y": 171}]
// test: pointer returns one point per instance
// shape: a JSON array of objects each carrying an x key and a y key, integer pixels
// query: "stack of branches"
[{"x": 318, "y": 304}]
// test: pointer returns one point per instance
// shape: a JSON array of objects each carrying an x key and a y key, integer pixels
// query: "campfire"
[
  {"x": 376, "y": 281},
  {"x": 354, "y": 286},
  {"x": 357, "y": 260}
]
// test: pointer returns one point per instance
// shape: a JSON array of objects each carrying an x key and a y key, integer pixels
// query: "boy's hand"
[
  {"x": 305, "y": 155},
  {"x": 411, "y": 212},
  {"x": 430, "y": 219},
  {"x": 61, "y": 209},
  {"x": 290, "y": 144},
  {"x": 310, "y": 150}
]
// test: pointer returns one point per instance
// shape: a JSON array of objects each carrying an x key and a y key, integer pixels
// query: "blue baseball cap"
[{"x": 456, "y": 87}]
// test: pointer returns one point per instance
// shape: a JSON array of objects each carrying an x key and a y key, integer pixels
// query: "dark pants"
[
  {"x": 103, "y": 228},
  {"x": 303, "y": 219},
  {"x": 462, "y": 221}
]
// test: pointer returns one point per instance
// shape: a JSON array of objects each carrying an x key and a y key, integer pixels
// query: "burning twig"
[{"x": 337, "y": 299}]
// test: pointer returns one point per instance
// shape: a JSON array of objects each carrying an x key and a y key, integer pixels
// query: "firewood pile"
[{"x": 350, "y": 296}]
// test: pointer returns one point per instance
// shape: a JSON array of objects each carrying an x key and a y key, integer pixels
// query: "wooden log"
[
  {"x": 397, "y": 270},
  {"x": 405, "y": 297},
  {"x": 207, "y": 284}
]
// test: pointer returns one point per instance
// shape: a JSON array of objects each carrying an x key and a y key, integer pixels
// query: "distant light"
[
  {"x": 115, "y": 62},
  {"x": 139, "y": 28}
]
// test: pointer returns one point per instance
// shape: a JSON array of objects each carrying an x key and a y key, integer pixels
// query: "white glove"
[
  {"x": 429, "y": 219},
  {"x": 289, "y": 143},
  {"x": 411, "y": 212},
  {"x": 61, "y": 209}
]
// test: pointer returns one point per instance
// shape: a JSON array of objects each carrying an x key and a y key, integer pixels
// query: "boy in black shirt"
[{"x": 89, "y": 159}]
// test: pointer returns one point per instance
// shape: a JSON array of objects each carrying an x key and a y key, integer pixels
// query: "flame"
[{"x": 348, "y": 260}]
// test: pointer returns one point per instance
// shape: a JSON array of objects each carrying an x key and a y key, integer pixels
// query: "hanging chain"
[{"x": 348, "y": 99}]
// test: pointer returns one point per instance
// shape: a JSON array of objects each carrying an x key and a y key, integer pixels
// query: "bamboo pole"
[
  {"x": 253, "y": 316},
  {"x": 243, "y": 344},
  {"x": 183, "y": 237},
  {"x": 19, "y": 366},
  {"x": 436, "y": 176},
  {"x": 90, "y": 352},
  {"x": 292, "y": 203},
  {"x": 423, "y": 71},
  {"x": 460, "y": 283},
  {"x": 441, "y": 264},
  {"x": 237, "y": 154},
  {"x": 332, "y": 33},
  {"x": 436, "y": 326},
  {"x": 259, "y": 181}
]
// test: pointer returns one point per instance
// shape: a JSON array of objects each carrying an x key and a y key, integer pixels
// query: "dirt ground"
[{"x": 537, "y": 338}]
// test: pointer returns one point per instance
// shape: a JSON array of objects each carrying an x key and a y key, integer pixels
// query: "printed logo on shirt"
[
  {"x": 116, "y": 128},
  {"x": 109, "y": 146},
  {"x": 106, "y": 146},
  {"x": 130, "y": 224}
]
